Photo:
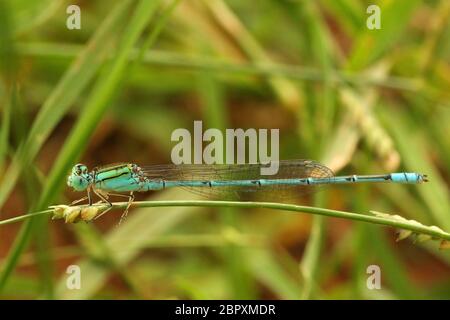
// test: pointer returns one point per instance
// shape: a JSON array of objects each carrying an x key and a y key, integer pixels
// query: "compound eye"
[{"x": 78, "y": 169}]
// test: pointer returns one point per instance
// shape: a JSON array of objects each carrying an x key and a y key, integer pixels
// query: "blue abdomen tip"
[{"x": 406, "y": 177}]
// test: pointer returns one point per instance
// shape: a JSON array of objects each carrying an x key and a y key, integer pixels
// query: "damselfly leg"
[
  {"x": 130, "y": 201},
  {"x": 105, "y": 199},
  {"x": 87, "y": 197}
]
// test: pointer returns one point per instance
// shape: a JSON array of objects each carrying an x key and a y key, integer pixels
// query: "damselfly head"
[
  {"x": 423, "y": 178},
  {"x": 79, "y": 178}
]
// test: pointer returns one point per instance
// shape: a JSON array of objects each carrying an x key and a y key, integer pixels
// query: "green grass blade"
[
  {"x": 371, "y": 44},
  {"x": 31, "y": 15},
  {"x": 203, "y": 63},
  {"x": 266, "y": 267},
  {"x": 69, "y": 88},
  {"x": 376, "y": 217},
  {"x": 415, "y": 156},
  {"x": 96, "y": 106},
  {"x": 5, "y": 128},
  {"x": 97, "y": 103}
]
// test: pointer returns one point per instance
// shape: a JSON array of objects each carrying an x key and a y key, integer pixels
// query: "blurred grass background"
[{"x": 359, "y": 100}]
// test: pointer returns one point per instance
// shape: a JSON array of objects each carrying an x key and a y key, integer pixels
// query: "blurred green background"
[{"x": 359, "y": 100}]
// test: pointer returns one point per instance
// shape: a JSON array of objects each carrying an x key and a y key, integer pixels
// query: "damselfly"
[{"x": 222, "y": 181}]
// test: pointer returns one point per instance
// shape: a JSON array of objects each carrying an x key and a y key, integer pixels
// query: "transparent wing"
[{"x": 287, "y": 169}]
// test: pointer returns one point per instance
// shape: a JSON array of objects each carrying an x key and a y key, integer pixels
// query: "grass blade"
[
  {"x": 96, "y": 105},
  {"x": 69, "y": 88}
]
